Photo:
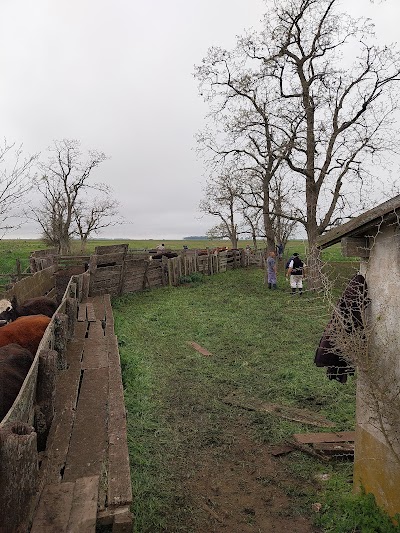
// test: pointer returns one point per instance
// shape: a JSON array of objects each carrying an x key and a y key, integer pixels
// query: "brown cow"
[
  {"x": 27, "y": 331},
  {"x": 15, "y": 363}
]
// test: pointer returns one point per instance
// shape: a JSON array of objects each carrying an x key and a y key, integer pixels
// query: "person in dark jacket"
[{"x": 295, "y": 273}]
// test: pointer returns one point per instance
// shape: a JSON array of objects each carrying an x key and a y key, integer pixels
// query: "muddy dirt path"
[{"x": 230, "y": 482}]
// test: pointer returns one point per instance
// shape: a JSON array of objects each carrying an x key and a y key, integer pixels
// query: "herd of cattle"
[
  {"x": 22, "y": 328},
  {"x": 206, "y": 251}
]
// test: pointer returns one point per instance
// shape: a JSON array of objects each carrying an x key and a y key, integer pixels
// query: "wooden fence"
[
  {"x": 21, "y": 482},
  {"x": 115, "y": 270}
]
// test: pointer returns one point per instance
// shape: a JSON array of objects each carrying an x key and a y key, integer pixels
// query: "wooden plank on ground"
[
  {"x": 199, "y": 348},
  {"x": 95, "y": 354},
  {"x": 54, "y": 509},
  {"x": 284, "y": 411},
  {"x": 98, "y": 306},
  {"x": 119, "y": 479},
  {"x": 96, "y": 331},
  {"x": 338, "y": 449},
  {"x": 88, "y": 445},
  {"x": 82, "y": 312},
  {"x": 109, "y": 315},
  {"x": 311, "y": 438},
  {"x": 65, "y": 403},
  {"x": 80, "y": 330},
  {"x": 84, "y": 505},
  {"x": 122, "y": 522},
  {"x": 91, "y": 316}
]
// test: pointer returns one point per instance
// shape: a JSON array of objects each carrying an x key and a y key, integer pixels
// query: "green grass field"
[{"x": 263, "y": 344}]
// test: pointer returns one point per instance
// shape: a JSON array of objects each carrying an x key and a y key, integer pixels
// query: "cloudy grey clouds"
[{"x": 117, "y": 75}]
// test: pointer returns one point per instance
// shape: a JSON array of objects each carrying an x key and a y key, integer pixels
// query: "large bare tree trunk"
[{"x": 268, "y": 226}]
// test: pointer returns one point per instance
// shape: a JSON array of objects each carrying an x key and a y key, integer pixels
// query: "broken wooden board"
[
  {"x": 339, "y": 444},
  {"x": 279, "y": 450},
  {"x": 199, "y": 348},
  {"x": 284, "y": 411},
  {"x": 311, "y": 438},
  {"x": 335, "y": 449}
]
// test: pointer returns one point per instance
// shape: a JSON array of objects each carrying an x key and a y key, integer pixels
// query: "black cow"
[
  {"x": 168, "y": 255},
  {"x": 15, "y": 363},
  {"x": 349, "y": 314},
  {"x": 41, "y": 305}
]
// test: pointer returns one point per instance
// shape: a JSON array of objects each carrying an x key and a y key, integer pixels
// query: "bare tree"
[
  {"x": 347, "y": 106},
  {"x": 320, "y": 98},
  {"x": 64, "y": 182},
  {"x": 221, "y": 199},
  {"x": 91, "y": 216},
  {"x": 247, "y": 115},
  {"x": 15, "y": 182},
  {"x": 252, "y": 222}
]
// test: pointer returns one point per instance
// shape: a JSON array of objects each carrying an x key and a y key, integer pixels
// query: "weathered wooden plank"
[
  {"x": 87, "y": 451},
  {"x": 80, "y": 330},
  {"x": 310, "y": 438},
  {"x": 284, "y": 411},
  {"x": 95, "y": 330},
  {"x": 122, "y": 522},
  {"x": 112, "y": 248},
  {"x": 340, "y": 449},
  {"x": 119, "y": 480},
  {"x": 98, "y": 306},
  {"x": 109, "y": 315},
  {"x": 355, "y": 247},
  {"x": 91, "y": 316},
  {"x": 95, "y": 354},
  {"x": 199, "y": 348},
  {"x": 84, "y": 505},
  {"x": 82, "y": 312},
  {"x": 106, "y": 273},
  {"x": 65, "y": 404},
  {"x": 54, "y": 509}
]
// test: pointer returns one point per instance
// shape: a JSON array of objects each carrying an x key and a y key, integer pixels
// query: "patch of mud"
[{"x": 234, "y": 485}]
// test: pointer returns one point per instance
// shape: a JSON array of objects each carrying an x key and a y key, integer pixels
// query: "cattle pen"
[{"x": 64, "y": 463}]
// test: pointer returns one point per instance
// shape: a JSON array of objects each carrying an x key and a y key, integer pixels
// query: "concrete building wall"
[{"x": 377, "y": 459}]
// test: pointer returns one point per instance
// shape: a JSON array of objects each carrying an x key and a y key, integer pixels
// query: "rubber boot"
[
  {"x": 269, "y": 285},
  {"x": 294, "y": 290},
  {"x": 274, "y": 285}
]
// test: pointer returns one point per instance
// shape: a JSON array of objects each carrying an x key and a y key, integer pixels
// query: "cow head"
[{"x": 7, "y": 312}]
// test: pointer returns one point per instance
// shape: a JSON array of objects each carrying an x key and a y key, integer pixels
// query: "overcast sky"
[{"x": 118, "y": 76}]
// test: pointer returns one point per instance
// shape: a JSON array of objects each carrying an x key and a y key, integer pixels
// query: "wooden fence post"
[
  {"x": 145, "y": 276},
  {"x": 45, "y": 395},
  {"x": 18, "y": 474},
  {"x": 60, "y": 339},
  {"x": 71, "y": 310}
]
